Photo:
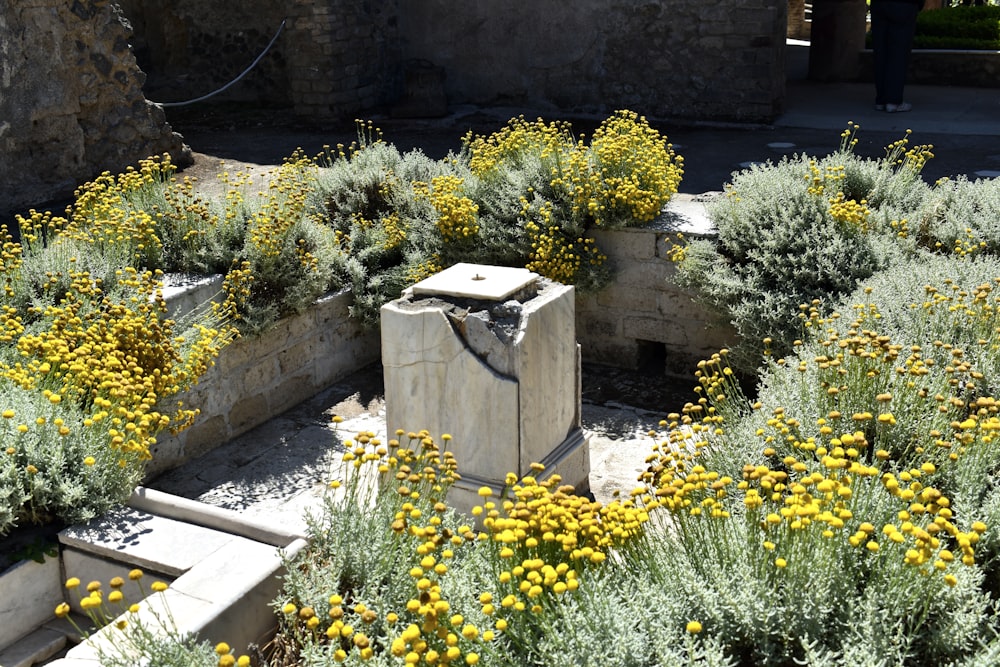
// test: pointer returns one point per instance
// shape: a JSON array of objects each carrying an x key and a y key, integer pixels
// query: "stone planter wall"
[
  {"x": 258, "y": 378},
  {"x": 644, "y": 320}
]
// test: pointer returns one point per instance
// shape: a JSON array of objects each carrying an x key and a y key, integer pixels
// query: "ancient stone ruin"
[
  {"x": 71, "y": 101},
  {"x": 488, "y": 355},
  {"x": 71, "y": 93}
]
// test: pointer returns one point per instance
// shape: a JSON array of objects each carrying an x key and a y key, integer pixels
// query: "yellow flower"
[
  {"x": 693, "y": 627},
  {"x": 158, "y": 586},
  {"x": 780, "y": 562},
  {"x": 62, "y": 611},
  {"x": 72, "y": 583},
  {"x": 89, "y": 461},
  {"x": 222, "y": 648}
]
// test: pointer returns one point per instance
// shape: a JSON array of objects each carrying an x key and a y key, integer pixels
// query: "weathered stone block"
[
  {"x": 643, "y": 275},
  {"x": 247, "y": 413},
  {"x": 506, "y": 402},
  {"x": 655, "y": 329},
  {"x": 623, "y": 298},
  {"x": 291, "y": 391},
  {"x": 205, "y": 436},
  {"x": 296, "y": 357},
  {"x": 433, "y": 381},
  {"x": 676, "y": 302},
  {"x": 604, "y": 323},
  {"x": 619, "y": 352},
  {"x": 262, "y": 375}
]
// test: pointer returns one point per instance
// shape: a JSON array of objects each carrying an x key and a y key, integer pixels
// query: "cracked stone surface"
[{"x": 500, "y": 376}]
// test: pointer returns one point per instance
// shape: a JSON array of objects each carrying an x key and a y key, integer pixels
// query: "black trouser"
[{"x": 893, "y": 24}]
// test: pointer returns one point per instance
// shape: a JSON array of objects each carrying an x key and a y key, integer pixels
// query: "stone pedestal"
[{"x": 488, "y": 355}]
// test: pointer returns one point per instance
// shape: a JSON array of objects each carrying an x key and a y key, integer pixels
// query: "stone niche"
[{"x": 488, "y": 355}]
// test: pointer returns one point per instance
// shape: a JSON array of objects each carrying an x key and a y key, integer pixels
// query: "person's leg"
[
  {"x": 880, "y": 50},
  {"x": 901, "y": 24}
]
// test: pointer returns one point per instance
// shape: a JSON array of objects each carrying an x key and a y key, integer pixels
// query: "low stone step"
[
  {"x": 139, "y": 539},
  {"x": 34, "y": 649},
  {"x": 223, "y": 569},
  {"x": 31, "y": 592}
]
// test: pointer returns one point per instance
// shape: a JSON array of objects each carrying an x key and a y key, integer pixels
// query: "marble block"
[{"x": 498, "y": 369}]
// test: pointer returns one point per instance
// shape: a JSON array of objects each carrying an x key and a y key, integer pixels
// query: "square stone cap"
[{"x": 475, "y": 281}]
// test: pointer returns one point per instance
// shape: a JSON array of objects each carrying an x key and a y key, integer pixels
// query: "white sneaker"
[{"x": 898, "y": 108}]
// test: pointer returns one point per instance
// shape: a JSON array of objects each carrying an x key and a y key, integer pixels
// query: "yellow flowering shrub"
[
  {"x": 88, "y": 383},
  {"x": 456, "y": 213},
  {"x": 89, "y": 359},
  {"x": 623, "y": 177},
  {"x": 636, "y": 171},
  {"x": 395, "y": 596},
  {"x": 109, "y": 214},
  {"x": 860, "y": 469},
  {"x": 555, "y": 255}
]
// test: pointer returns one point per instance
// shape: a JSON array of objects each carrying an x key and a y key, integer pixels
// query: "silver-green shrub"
[{"x": 801, "y": 230}]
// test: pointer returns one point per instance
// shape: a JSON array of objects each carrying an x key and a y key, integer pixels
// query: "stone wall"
[
  {"x": 71, "y": 102},
  {"x": 643, "y": 320},
  {"x": 695, "y": 59},
  {"x": 190, "y": 48},
  {"x": 333, "y": 59},
  {"x": 345, "y": 58},
  {"x": 690, "y": 59},
  {"x": 258, "y": 378}
]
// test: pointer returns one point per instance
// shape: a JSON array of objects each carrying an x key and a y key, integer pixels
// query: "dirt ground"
[{"x": 255, "y": 138}]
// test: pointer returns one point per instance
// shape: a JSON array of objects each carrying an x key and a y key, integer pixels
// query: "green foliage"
[
  {"x": 959, "y": 28},
  {"x": 801, "y": 231},
  {"x": 973, "y": 28},
  {"x": 372, "y": 200},
  {"x": 884, "y": 403},
  {"x": 960, "y": 217},
  {"x": 525, "y": 196}
]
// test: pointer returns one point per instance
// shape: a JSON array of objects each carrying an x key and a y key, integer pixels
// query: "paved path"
[{"x": 281, "y": 469}]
